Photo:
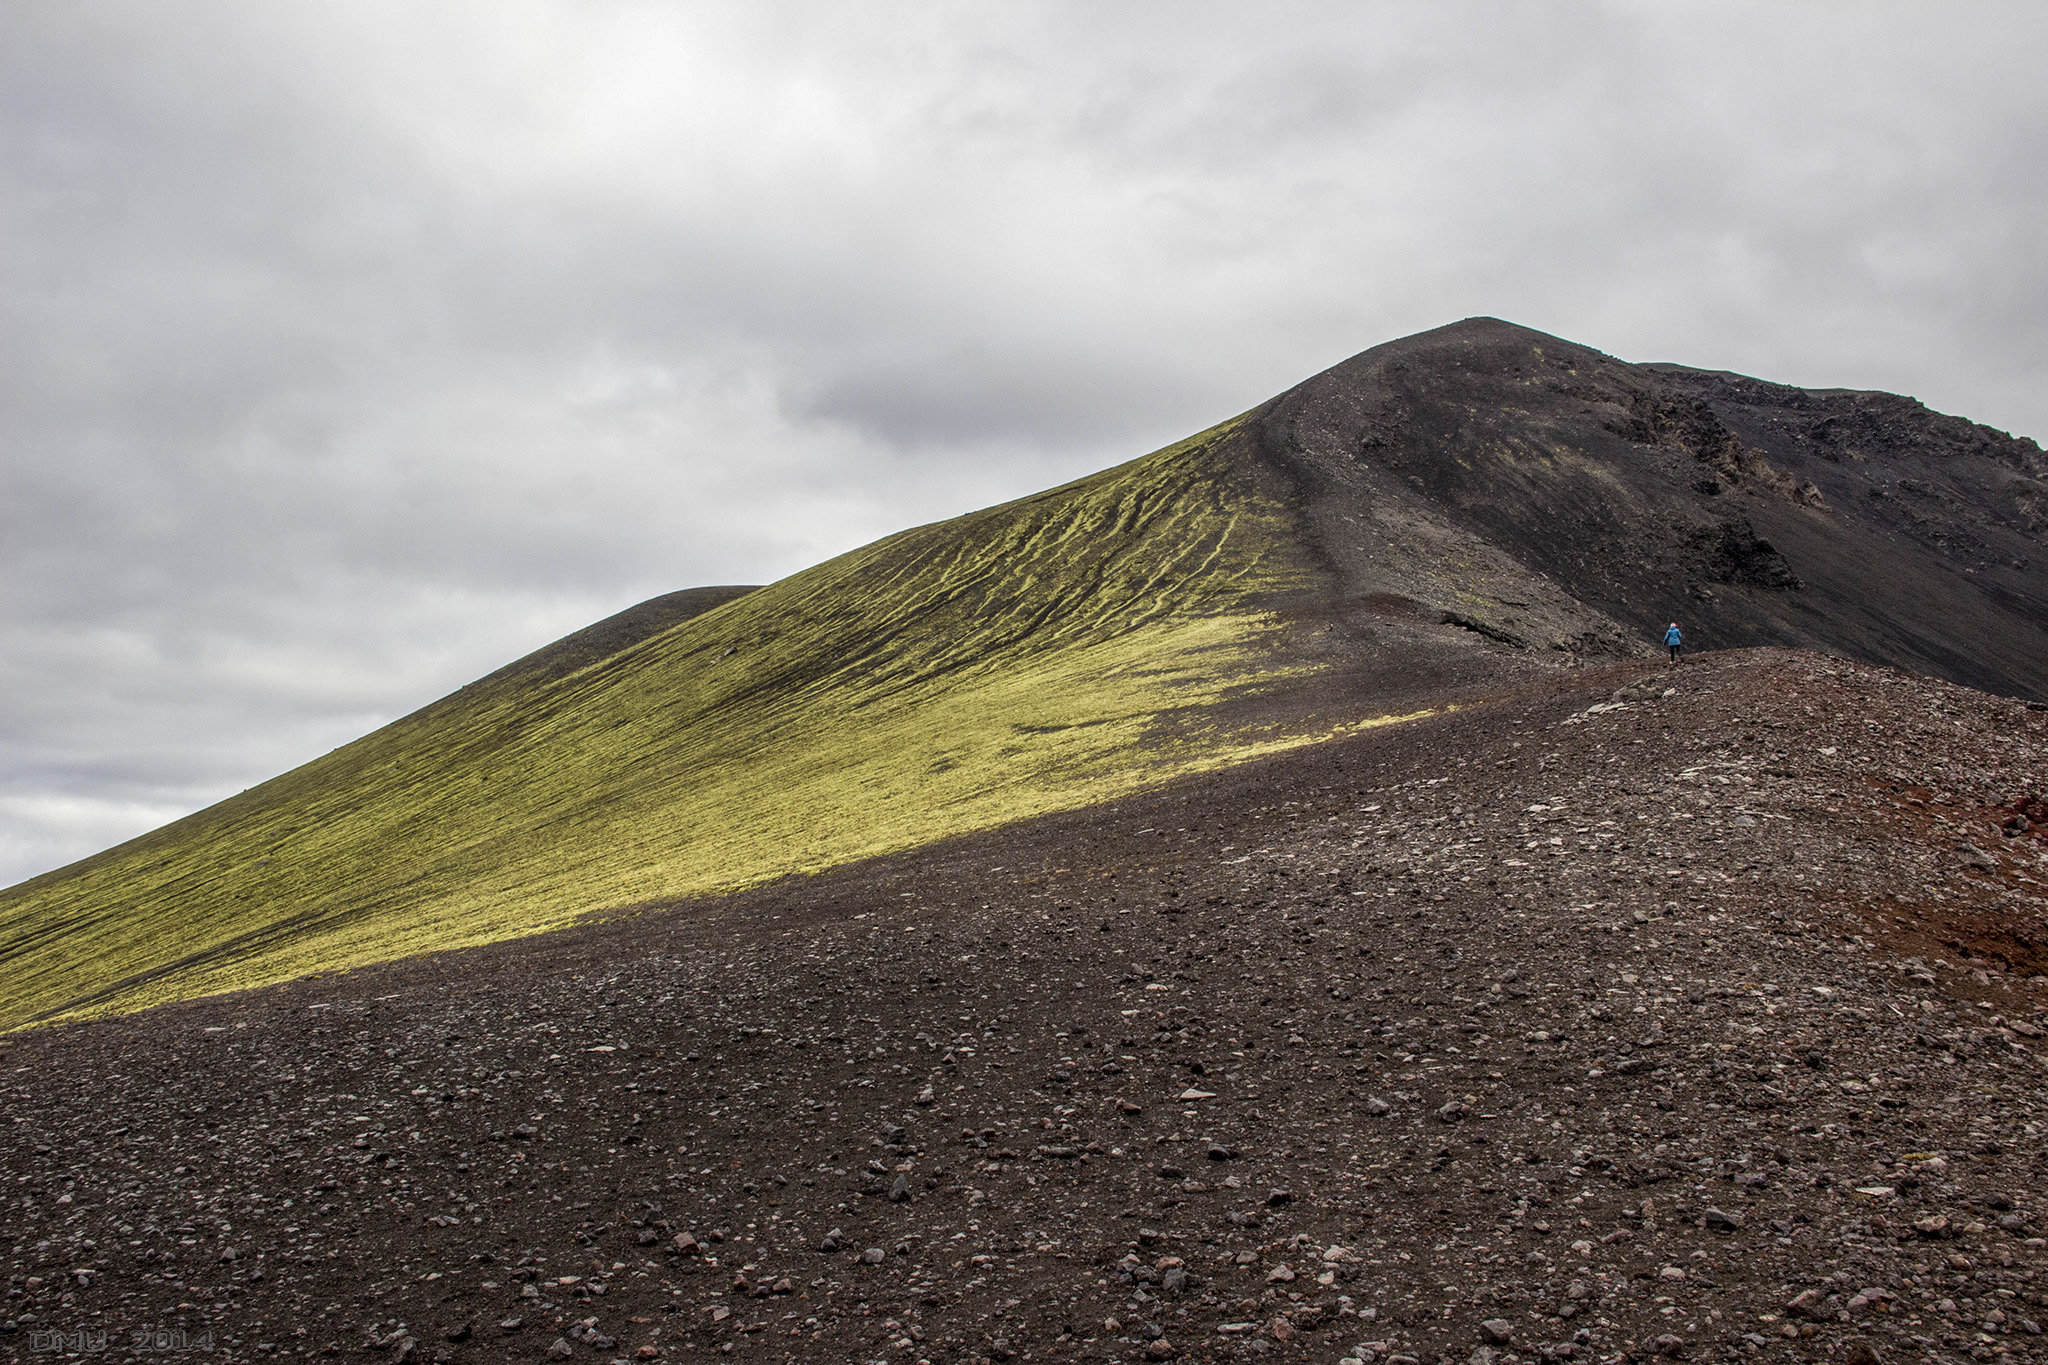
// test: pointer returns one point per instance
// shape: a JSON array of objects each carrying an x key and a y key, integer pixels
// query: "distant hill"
[{"x": 1438, "y": 516}]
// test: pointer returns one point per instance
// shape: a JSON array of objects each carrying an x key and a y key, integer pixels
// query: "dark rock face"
[
  {"x": 1550, "y": 497},
  {"x": 1732, "y": 553}
]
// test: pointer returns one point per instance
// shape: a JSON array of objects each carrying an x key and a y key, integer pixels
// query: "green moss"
[{"x": 953, "y": 677}]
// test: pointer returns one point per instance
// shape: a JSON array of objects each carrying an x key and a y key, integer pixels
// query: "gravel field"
[{"x": 1690, "y": 1012}]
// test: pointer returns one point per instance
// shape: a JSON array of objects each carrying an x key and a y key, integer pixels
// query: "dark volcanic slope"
[
  {"x": 1555, "y": 497},
  {"x": 1708, "y": 1022}
]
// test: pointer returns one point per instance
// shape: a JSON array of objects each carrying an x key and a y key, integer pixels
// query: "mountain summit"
[
  {"x": 1444, "y": 515},
  {"x": 1554, "y": 498}
]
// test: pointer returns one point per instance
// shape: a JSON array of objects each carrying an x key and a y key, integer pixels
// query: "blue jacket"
[{"x": 1672, "y": 637}]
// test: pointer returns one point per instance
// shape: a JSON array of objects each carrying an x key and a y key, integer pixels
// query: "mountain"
[{"x": 1427, "y": 523}]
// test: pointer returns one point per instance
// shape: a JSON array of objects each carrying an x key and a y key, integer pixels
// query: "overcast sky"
[{"x": 349, "y": 350}]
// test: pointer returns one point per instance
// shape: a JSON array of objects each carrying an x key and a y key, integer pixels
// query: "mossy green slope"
[{"x": 1049, "y": 653}]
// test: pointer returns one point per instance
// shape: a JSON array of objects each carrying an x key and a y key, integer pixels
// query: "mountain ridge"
[
  {"x": 946, "y": 677},
  {"x": 1447, "y": 513}
]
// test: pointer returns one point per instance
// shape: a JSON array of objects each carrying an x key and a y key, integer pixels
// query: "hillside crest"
[{"x": 1433, "y": 520}]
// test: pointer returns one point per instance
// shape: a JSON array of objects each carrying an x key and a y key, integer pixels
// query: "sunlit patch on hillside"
[{"x": 1047, "y": 654}]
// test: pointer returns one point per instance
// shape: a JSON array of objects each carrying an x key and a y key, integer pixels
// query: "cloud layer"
[{"x": 350, "y": 350}]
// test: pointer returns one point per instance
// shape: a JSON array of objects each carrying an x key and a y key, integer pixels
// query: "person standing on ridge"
[{"x": 1672, "y": 640}]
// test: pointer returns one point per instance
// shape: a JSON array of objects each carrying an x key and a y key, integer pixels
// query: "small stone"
[
  {"x": 511, "y": 1324},
  {"x": 926, "y": 1096},
  {"x": 1160, "y": 1349},
  {"x": 899, "y": 1193},
  {"x": 1668, "y": 1345},
  {"x": 1278, "y": 1197},
  {"x": 1497, "y": 1331},
  {"x": 1718, "y": 1221},
  {"x": 833, "y": 1240},
  {"x": 687, "y": 1244},
  {"x": 1280, "y": 1274},
  {"x": 1378, "y": 1107},
  {"x": 561, "y": 1350},
  {"x": 873, "y": 1256}
]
